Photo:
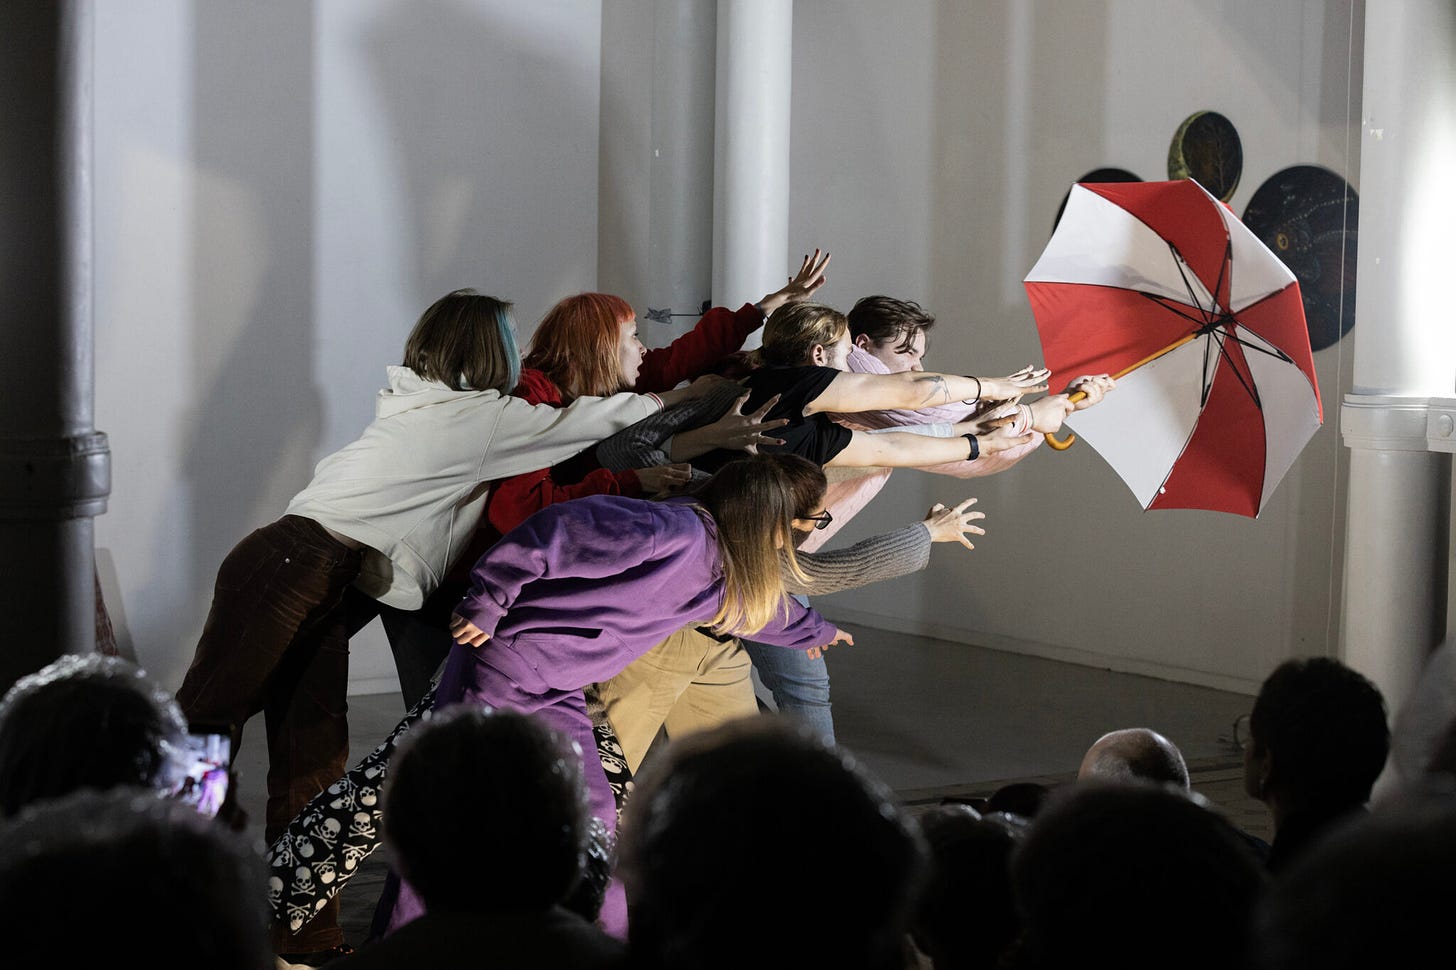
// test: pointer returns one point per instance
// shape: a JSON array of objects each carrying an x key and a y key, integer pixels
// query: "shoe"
[{"x": 306, "y": 961}]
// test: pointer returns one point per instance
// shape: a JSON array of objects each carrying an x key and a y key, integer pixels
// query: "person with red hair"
[{"x": 586, "y": 346}]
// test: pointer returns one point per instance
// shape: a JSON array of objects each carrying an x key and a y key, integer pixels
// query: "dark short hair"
[
  {"x": 1133, "y": 876},
  {"x": 760, "y": 817},
  {"x": 135, "y": 870},
  {"x": 1325, "y": 725},
  {"x": 1376, "y": 891},
  {"x": 884, "y": 318},
  {"x": 967, "y": 914},
  {"x": 485, "y": 809},
  {"x": 88, "y": 721}
]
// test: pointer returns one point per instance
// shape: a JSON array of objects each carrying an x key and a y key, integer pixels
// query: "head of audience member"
[
  {"x": 466, "y": 341},
  {"x": 587, "y": 345},
  {"x": 89, "y": 721},
  {"x": 757, "y": 502},
  {"x": 758, "y": 837},
  {"x": 1133, "y": 876},
  {"x": 966, "y": 919},
  {"x": 1375, "y": 892},
  {"x": 803, "y": 334},
  {"x": 891, "y": 331},
  {"x": 1423, "y": 740},
  {"x": 1318, "y": 739},
  {"x": 123, "y": 878},
  {"x": 1023, "y": 799},
  {"x": 1137, "y": 755},
  {"x": 486, "y": 810}
]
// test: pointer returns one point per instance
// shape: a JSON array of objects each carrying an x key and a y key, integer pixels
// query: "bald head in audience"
[{"x": 1135, "y": 754}]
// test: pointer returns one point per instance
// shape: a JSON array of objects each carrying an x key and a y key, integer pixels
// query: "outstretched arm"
[
  {"x": 901, "y": 449},
  {"x": 887, "y": 556},
  {"x": 912, "y": 390}
]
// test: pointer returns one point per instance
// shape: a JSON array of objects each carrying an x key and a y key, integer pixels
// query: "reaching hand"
[
  {"x": 840, "y": 636},
  {"x": 952, "y": 524},
  {"x": 1093, "y": 386},
  {"x": 465, "y": 632},
  {"x": 663, "y": 478},
  {"x": 799, "y": 287},
  {"x": 1001, "y": 439},
  {"x": 745, "y": 431},
  {"x": 1048, "y": 413},
  {"x": 1029, "y": 380}
]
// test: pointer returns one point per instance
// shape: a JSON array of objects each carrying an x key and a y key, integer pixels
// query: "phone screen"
[{"x": 209, "y": 761}]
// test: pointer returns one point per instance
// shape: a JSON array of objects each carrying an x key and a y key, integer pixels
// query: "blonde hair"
[
  {"x": 792, "y": 331},
  {"x": 754, "y": 501}
]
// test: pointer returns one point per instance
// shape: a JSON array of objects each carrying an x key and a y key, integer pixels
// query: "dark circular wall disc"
[
  {"x": 1096, "y": 175},
  {"x": 1308, "y": 216},
  {"x": 1206, "y": 148}
]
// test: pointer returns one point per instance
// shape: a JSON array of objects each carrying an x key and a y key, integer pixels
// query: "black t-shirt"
[{"x": 814, "y": 437}]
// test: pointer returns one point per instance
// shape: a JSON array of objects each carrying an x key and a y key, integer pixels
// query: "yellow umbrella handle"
[{"x": 1070, "y": 439}]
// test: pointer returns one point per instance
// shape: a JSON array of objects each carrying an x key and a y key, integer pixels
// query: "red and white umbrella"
[{"x": 1160, "y": 285}]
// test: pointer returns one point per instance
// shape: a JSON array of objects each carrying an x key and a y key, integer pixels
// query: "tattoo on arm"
[{"x": 937, "y": 392}]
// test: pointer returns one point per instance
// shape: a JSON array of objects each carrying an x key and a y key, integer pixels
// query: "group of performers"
[{"x": 599, "y": 534}]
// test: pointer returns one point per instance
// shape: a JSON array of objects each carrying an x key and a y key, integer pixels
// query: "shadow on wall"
[
  {"x": 251, "y": 436},
  {"x": 469, "y": 101}
]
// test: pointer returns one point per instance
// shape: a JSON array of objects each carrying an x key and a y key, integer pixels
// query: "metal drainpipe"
[{"x": 54, "y": 466}]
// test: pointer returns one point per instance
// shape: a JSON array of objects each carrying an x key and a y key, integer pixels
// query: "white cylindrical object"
[
  {"x": 751, "y": 149},
  {"x": 1405, "y": 333}
]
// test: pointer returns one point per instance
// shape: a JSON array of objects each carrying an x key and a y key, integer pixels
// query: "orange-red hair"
[{"x": 576, "y": 344}]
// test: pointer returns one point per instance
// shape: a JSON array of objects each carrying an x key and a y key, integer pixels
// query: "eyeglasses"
[{"x": 821, "y": 521}]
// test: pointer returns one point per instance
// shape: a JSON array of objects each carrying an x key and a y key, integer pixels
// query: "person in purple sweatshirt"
[{"x": 582, "y": 588}]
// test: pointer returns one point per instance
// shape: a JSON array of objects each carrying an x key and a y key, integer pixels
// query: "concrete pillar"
[
  {"x": 751, "y": 144},
  {"x": 54, "y": 466},
  {"x": 1405, "y": 346}
]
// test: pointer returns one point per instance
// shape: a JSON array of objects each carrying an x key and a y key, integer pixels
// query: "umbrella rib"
[
  {"x": 1276, "y": 353},
  {"x": 1247, "y": 385},
  {"x": 1174, "y": 306},
  {"x": 1182, "y": 265}
]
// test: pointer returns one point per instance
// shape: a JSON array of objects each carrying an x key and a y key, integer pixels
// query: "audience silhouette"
[
  {"x": 760, "y": 841},
  {"x": 1318, "y": 739},
  {"x": 486, "y": 815},
  {"x": 1133, "y": 876},
  {"x": 99, "y": 878}
]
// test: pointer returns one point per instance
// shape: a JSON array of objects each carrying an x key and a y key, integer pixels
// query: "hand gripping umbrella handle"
[{"x": 1071, "y": 439}]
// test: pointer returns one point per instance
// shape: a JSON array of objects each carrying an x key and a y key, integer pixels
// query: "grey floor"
[{"x": 933, "y": 720}]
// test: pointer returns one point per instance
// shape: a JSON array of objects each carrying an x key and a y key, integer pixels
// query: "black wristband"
[{"x": 975, "y": 447}]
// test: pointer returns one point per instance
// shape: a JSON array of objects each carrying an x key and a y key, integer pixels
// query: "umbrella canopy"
[{"x": 1159, "y": 284}]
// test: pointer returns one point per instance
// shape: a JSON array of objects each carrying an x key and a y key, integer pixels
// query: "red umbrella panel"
[{"x": 1159, "y": 284}]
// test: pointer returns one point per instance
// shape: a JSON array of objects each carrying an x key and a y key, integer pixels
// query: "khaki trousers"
[{"x": 688, "y": 682}]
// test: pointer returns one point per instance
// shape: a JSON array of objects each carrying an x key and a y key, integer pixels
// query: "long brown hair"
[
  {"x": 466, "y": 341},
  {"x": 575, "y": 345},
  {"x": 754, "y": 501}
]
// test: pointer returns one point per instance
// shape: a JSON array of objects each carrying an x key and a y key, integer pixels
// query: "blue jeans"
[{"x": 799, "y": 684}]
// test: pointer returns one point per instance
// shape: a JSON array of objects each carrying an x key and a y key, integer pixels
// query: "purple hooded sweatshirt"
[{"x": 570, "y": 597}]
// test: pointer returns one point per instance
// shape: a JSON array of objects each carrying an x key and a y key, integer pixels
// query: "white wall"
[
  {"x": 938, "y": 141},
  {"x": 281, "y": 188}
]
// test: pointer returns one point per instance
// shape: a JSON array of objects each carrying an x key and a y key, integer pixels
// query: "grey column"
[
  {"x": 54, "y": 465},
  {"x": 1405, "y": 346}
]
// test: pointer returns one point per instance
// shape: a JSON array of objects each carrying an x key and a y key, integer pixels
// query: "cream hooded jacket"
[{"x": 412, "y": 487}]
